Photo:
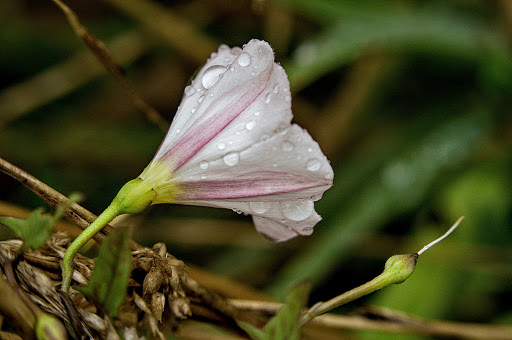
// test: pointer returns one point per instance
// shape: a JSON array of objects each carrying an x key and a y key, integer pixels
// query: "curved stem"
[
  {"x": 67, "y": 263},
  {"x": 377, "y": 283}
]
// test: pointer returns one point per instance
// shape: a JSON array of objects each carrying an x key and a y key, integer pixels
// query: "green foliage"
[
  {"x": 285, "y": 324},
  {"x": 35, "y": 230},
  {"x": 109, "y": 279}
]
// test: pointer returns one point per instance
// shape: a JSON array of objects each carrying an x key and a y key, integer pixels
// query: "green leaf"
[
  {"x": 253, "y": 332},
  {"x": 285, "y": 324},
  {"x": 35, "y": 229},
  {"x": 109, "y": 279}
]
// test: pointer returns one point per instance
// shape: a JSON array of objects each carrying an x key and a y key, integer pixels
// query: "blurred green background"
[{"x": 410, "y": 100}]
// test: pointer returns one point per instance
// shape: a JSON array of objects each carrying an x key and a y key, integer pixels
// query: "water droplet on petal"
[
  {"x": 276, "y": 89},
  {"x": 250, "y": 125},
  {"x": 244, "y": 59},
  {"x": 189, "y": 90},
  {"x": 236, "y": 50},
  {"x": 231, "y": 158},
  {"x": 297, "y": 211},
  {"x": 287, "y": 146},
  {"x": 267, "y": 98},
  {"x": 203, "y": 176},
  {"x": 275, "y": 165},
  {"x": 201, "y": 98},
  {"x": 313, "y": 164},
  {"x": 257, "y": 113},
  {"x": 178, "y": 130},
  {"x": 260, "y": 207},
  {"x": 211, "y": 75},
  {"x": 204, "y": 165},
  {"x": 193, "y": 109},
  {"x": 221, "y": 146}
]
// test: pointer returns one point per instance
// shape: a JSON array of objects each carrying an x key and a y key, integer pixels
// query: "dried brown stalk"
[{"x": 100, "y": 51}]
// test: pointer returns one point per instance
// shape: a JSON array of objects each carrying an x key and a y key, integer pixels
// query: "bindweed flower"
[{"x": 232, "y": 145}]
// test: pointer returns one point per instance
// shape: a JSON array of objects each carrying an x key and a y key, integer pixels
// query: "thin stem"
[
  {"x": 67, "y": 263},
  {"x": 445, "y": 235},
  {"x": 377, "y": 283}
]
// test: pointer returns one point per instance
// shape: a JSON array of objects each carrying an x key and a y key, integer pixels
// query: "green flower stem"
[
  {"x": 106, "y": 216},
  {"x": 397, "y": 269}
]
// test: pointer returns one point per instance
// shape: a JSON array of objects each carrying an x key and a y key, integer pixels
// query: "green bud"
[
  {"x": 134, "y": 196},
  {"x": 399, "y": 268},
  {"x": 49, "y": 327}
]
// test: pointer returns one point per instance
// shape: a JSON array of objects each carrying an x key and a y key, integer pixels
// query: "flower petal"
[
  {"x": 279, "y": 221},
  {"x": 222, "y": 90},
  {"x": 276, "y": 180}
]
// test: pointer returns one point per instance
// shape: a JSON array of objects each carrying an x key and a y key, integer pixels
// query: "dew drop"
[
  {"x": 189, "y": 90},
  {"x": 244, "y": 59},
  {"x": 276, "y": 89},
  {"x": 203, "y": 176},
  {"x": 267, "y": 98},
  {"x": 287, "y": 146},
  {"x": 259, "y": 207},
  {"x": 193, "y": 109},
  {"x": 211, "y": 75},
  {"x": 201, "y": 98},
  {"x": 236, "y": 50},
  {"x": 204, "y": 165},
  {"x": 257, "y": 113},
  {"x": 178, "y": 131},
  {"x": 250, "y": 125},
  {"x": 221, "y": 146},
  {"x": 297, "y": 211},
  {"x": 231, "y": 158},
  {"x": 313, "y": 164},
  {"x": 275, "y": 165}
]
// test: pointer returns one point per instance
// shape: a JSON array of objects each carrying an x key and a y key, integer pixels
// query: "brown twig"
[
  {"x": 17, "y": 313},
  {"x": 98, "y": 48},
  {"x": 65, "y": 77},
  {"x": 390, "y": 321},
  {"x": 75, "y": 213}
]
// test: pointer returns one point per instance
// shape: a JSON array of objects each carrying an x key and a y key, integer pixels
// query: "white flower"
[{"x": 231, "y": 145}]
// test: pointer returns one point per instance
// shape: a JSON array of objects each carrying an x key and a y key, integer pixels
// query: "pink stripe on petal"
[
  {"x": 254, "y": 184},
  {"x": 200, "y": 135},
  {"x": 224, "y": 101}
]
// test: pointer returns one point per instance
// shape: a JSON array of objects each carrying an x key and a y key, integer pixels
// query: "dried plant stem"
[
  {"x": 17, "y": 313},
  {"x": 83, "y": 217},
  {"x": 392, "y": 322},
  {"x": 75, "y": 213},
  {"x": 100, "y": 51},
  {"x": 65, "y": 77}
]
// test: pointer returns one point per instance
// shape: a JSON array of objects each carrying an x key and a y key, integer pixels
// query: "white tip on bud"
[{"x": 453, "y": 227}]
